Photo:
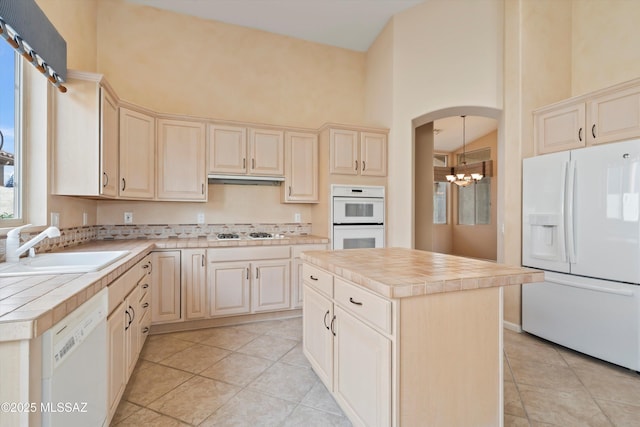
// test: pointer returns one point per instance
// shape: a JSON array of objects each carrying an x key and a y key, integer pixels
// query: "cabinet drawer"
[
  {"x": 320, "y": 280},
  {"x": 364, "y": 304},
  {"x": 248, "y": 254}
]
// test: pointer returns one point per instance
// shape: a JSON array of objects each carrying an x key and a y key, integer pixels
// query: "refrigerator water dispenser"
[{"x": 546, "y": 239}]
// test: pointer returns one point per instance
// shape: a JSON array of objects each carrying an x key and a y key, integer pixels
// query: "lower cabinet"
[
  {"x": 228, "y": 284},
  {"x": 352, "y": 358},
  {"x": 126, "y": 325},
  {"x": 270, "y": 286},
  {"x": 166, "y": 303},
  {"x": 194, "y": 278},
  {"x": 296, "y": 271}
]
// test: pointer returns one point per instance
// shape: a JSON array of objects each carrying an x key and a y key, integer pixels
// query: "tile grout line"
[{"x": 506, "y": 356}]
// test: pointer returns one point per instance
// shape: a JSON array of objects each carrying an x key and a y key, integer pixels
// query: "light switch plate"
[
  {"x": 55, "y": 219},
  {"x": 85, "y": 218},
  {"x": 297, "y": 217},
  {"x": 200, "y": 218}
]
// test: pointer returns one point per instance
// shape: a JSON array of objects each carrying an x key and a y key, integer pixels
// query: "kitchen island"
[{"x": 408, "y": 338}]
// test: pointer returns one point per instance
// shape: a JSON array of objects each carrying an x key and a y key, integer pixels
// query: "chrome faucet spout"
[{"x": 14, "y": 251}]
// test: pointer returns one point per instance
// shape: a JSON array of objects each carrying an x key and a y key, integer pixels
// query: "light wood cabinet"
[
  {"x": 229, "y": 291},
  {"x": 301, "y": 168},
  {"x": 132, "y": 329},
  {"x": 608, "y": 115},
  {"x": 85, "y": 126},
  {"x": 318, "y": 338},
  {"x": 270, "y": 285},
  {"x": 137, "y": 154},
  {"x": 240, "y": 151},
  {"x": 181, "y": 160},
  {"x": 117, "y": 358},
  {"x": 357, "y": 153},
  {"x": 194, "y": 278},
  {"x": 297, "y": 294},
  {"x": 165, "y": 287}
]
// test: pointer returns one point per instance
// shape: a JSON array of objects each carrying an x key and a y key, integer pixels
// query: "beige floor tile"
[
  {"x": 259, "y": 328},
  {"x": 238, "y": 369},
  {"x": 195, "y": 400},
  {"x": 532, "y": 348},
  {"x": 250, "y": 408},
  {"x": 305, "y": 416},
  {"x": 124, "y": 410},
  {"x": 620, "y": 414},
  {"x": 229, "y": 338},
  {"x": 151, "y": 382},
  {"x": 562, "y": 408},
  {"x": 196, "y": 336},
  {"x": 295, "y": 356},
  {"x": 320, "y": 398},
  {"x": 512, "y": 421},
  {"x": 158, "y": 347},
  {"x": 146, "y": 417},
  {"x": 527, "y": 371},
  {"x": 512, "y": 403},
  {"x": 285, "y": 381},
  {"x": 288, "y": 328},
  {"x": 506, "y": 370},
  {"x": 268, "y": 347},
  {"x": 196, "y": 358},
  {"x": 611, "y": 384}
]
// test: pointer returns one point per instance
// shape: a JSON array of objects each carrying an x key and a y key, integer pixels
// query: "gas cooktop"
[
  {"x": 236, "y": 236},
  {"x": 260, "y": 235},
  {"x": 228, "y": 236}
]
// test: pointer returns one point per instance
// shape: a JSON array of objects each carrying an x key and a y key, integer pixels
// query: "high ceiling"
[
  {"x": 448, "y": 131},
  {"x": 350, "y": 24}
]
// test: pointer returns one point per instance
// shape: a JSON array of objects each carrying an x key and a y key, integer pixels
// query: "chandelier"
[{"x": 458, "y": 174}]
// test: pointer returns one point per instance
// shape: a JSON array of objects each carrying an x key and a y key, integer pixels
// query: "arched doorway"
[{"x": 448, "y": 218}]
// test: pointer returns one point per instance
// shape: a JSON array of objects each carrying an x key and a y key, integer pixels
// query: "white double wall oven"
[{"x": 357, "y": 216}]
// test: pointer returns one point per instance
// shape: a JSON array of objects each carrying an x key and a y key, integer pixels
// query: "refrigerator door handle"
[
  {"x": 592, "y": 287},
  {"x": 570, "y": 212}
]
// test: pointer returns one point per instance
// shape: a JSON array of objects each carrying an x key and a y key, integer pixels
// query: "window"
[
  {"x": 474, "y": 201},
  {"x": 10, "y": 138},
  {"x": 440, "y": 191}
]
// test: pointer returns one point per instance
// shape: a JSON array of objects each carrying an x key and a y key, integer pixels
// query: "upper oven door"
[{"x": 356, "y": 210}]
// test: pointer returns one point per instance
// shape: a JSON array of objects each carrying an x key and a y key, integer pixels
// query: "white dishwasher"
[{"x": 74, "y": 367}]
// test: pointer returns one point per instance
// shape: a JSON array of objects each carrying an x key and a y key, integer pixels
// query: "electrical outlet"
[
  {"x": 128, "y": 217},
  {"x": 200, "y": 218},
  {"x": 297, "y": 217},
  {"x": 55, "y": 219},
  {"x": 85, "y": 218}
]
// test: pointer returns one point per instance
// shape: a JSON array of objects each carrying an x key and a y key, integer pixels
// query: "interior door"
[{"x": 607, "y": 211}]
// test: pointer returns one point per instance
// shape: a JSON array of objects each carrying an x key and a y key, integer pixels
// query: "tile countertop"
[
  {"x": 29, "y": 305},
  {"x": 401, "y": 272}
]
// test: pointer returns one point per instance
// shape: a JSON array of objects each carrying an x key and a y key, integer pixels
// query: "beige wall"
[
  {"x": 444, "y": 54},
  {"x": 423, "y": 185},
  {"x": 478, "y": 241}
]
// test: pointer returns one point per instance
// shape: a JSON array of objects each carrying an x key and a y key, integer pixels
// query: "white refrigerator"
[{"x": 581, "y": 224}]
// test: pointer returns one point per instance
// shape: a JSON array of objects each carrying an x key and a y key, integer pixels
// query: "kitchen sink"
[{"x": 62, "y": 263}]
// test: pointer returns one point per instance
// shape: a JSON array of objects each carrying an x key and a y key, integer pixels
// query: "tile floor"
[{"x": 256, "y": 375}]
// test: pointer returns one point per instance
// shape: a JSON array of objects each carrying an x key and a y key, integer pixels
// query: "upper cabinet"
[
  {"x": 608, "y": 115},
  {"x": 181, "y": 160},
  {"x": 357, "y": 153},
  {"x": 85, "y": 127},
  {"x": 240, "y": 151},
  {"x": 301, "y": 168},
  {"x": 137, "y": 154}
]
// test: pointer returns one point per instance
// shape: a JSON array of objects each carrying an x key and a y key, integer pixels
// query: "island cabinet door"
[
  {"x": 362, "y": 371},
  {"x": 318, "y": 340}
]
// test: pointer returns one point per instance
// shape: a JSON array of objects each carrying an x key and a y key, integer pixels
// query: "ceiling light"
[{"x": 458, "y": 174}]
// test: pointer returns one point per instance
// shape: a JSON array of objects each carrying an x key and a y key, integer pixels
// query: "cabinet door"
[
  {"x": 301, "y": 160},
  {"x": 132, "y": 329},
  {"x": 195, "y": 286},
  {"x": 181, "y": 160},
  {"x": 343, "y": 152},
  {"x": 228, "y": 284},
  {"x": 296, "y": 283},
  {"x": 362, "y": 371},
  {"x": 317, "y": 318},
  {"x": 108, "y": 144},
  {"x": 266, "y": 151},
  {"x": 117, "y": 356},
  {"x": 165, "y": 287},
  {"x": 614, "y": 116},
  {"x": 227, "y": 150},
  {"x": 270, "y": 287},
  {"x": 560, "y": 128},
  {"x": 137, "y": 155},
  {"x": 373, "y": 154}
]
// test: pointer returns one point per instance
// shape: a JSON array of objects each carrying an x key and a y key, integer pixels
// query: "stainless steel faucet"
[{"x": 14, "y": 250}]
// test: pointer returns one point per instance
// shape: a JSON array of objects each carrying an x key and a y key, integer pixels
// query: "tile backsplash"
[{"x": 78, "y": 235}]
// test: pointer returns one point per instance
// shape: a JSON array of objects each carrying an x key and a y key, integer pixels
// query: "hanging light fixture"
[{"x": 458, "y": 175}]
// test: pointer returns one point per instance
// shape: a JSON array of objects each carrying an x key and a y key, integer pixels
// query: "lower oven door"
[{"x": 358, "y": 236}]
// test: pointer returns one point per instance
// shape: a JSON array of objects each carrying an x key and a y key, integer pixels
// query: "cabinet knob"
[
  {"x": 124, "y": 184},
  {"x": 145, "y": 286},
  {"x": 313, "y": 278},
  {"x": 145, "y": 305},
  {"x": 145, "y": 330},
  {"x": 105, "y": 179},
  {"x": 332, "y": 322},
  {"x": 593, "y": 130},
  {"x": 352, "y": 301},
  {"x": 356, "y": 165},
  {"x": 580, "y": 134},
  {"x": 325, "y": 320},
  {"x": 364, "y": 166}
]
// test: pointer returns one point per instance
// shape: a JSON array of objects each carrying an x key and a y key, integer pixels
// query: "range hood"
[{"x": 244, "y": 179}]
